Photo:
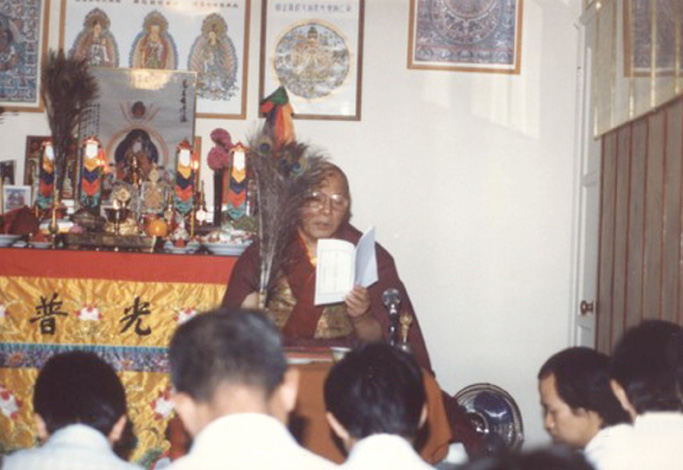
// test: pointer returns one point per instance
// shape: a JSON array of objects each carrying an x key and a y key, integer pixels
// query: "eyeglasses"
[{"x": 317, "y": 200}]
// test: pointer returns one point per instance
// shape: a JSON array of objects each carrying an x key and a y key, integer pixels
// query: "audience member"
[
  {"x": 646, "y": 370},
  {"x": 80, "y": 412},
  {"x": 234, "y": 393},
  {"x": 375, "y": 399},
  {"x": 579, "y": 408},
  {"x": 554, "y": 458}
]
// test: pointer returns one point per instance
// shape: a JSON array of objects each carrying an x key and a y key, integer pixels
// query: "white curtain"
[{"x": 638, "y": 59}]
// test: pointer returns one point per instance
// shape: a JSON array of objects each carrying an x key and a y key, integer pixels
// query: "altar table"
[{"x": 125, "y": 307}]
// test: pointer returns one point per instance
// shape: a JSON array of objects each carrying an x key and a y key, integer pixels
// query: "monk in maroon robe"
[{"x": 361, "y": 317}]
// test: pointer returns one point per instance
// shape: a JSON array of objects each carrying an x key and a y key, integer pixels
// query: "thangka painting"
[
  {"x": 23, "y": 43},
  {"x": 313, "y": 48},
  {"x": 465, "y": 35},
  {"x": 638, "y": 34},
  {"x": 208, "y": 37},
  {"x": 141, "y": 115}
]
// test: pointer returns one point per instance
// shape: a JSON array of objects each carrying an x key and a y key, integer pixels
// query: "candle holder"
[{"x": 53, "y": 226}]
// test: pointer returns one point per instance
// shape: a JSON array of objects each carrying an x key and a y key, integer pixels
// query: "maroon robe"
[{"x": 301, "y": 325}]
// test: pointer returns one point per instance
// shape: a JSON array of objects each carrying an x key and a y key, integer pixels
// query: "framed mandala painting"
[
  {"x": 313, "y": 48},
  {"x": 23, "y": 43},
  {"x": 465, "y": 35}
]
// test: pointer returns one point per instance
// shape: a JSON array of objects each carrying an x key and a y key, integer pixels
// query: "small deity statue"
[
  {"x": 152, "y": 195},
  {"x": 238, "y": 182},
  {"x": 47, "y": 176},
  {"x": 92, "y": 170},
  {"x": 185, "y": 178}
]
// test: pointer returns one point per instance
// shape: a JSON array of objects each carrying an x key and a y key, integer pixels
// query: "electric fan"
[{"x": 494, "y": 415}]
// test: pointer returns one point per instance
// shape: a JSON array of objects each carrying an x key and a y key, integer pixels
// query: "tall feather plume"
[
  {"x": 68, "y": 90},
  {"x": 284, "y": 177}
]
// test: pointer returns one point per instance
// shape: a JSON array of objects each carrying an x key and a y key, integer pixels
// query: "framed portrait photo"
[
  {"x": 133, "y": 124},
  {"x": 33, "y": 158},
  {"x": 314, "y": 49},
  {"x": 209, "y": 38},
  {"x": 23, "y": 45},
  {"x": 15, "y": 197},
  {"x": 7, "y": 171},
  {"x": 465, "y": 35}
]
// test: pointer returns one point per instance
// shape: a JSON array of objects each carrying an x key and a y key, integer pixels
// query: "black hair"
[
  {"x": 376, "y": 388},
  {"x": 646, "y": 362},
  {"x": 226, "y": 346},
  {"x": 79, "y": 387},
  {"x": 582, "y": 380},
  {"x": 552, "y": 458}
]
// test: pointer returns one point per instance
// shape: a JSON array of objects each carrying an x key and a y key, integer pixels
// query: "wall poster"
[{"x": 208, "y": 37}]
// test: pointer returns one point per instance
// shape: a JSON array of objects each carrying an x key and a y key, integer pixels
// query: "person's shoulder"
[
  {"x": 608, "y": 446},
  {"x": 22, "y": 459},
  {"x": 125, "y": 465},
  {"x": 183, "y": 463},
  {"x": 307, "y": 460}
]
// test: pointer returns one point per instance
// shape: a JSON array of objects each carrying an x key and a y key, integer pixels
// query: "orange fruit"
[{"x": 157, "y": 228}]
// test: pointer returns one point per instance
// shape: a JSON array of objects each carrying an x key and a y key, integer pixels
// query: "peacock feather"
[{"x": 284, "y": 176}]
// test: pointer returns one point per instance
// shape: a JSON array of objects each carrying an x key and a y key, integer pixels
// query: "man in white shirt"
[
  {"x": 80, "y": 412},
  {"x": 375, "y": 400},
  {"x": 234, "y": 392},
  {"x": 579, "y": 408},
  {"x": 647, "y": 370}
]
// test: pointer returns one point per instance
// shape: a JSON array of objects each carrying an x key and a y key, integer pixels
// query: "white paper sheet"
[{"x": 341, "y": 266}]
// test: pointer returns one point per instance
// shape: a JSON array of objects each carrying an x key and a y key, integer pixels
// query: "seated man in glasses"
[{"x": 361, "y": 317}]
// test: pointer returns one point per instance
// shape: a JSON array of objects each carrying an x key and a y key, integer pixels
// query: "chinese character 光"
[{"x": 133, "y": 315}]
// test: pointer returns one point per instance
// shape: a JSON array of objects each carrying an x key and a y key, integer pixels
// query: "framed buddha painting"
[
  {"x": 314, "y": 49},
  {"x": 209, "y": 38}
]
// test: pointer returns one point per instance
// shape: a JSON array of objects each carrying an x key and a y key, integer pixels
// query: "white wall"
[{"x": 469, "y": 179}]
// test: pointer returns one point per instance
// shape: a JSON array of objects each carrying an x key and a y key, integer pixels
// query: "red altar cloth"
[{"x": 111, "y": 265}]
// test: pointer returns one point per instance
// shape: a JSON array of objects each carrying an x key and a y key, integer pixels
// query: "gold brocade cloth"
[{"x": 128, "y": 323}]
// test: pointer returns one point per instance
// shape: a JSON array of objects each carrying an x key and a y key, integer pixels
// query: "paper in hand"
[{"x": 341, "y": 265}]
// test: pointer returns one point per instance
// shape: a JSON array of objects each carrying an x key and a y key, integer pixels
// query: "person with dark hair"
[
  {"x": 361, "y": 317},
  {"x": 376, "y": 405},
  {"x": 553, "y": 458},
  {"x": 80, "y": 411},
  {"x": 233, "y": 392},
  {"x": 579, "y": 408},
  {"x": 647, "y": 367}
]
